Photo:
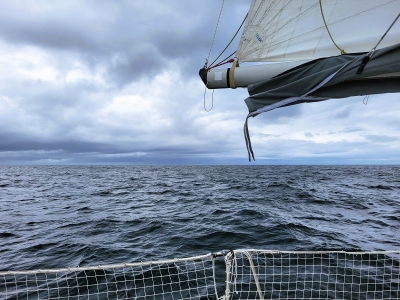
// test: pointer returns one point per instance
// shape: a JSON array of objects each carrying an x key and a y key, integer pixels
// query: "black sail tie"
[
  {"x": 368, "y": 56},
  {"x": 247, "y": 138}
]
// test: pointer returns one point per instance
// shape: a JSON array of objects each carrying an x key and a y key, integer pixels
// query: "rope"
[
  {"x": 237, "y": 31},
  {"x": 383, "y": 36},
  {"x": 228, "y": 263},
  {"x": 253, "y": 270},
  {"x": 224, "y": 61},
  {"x": 212, "y": 99},
  {"x": 327, "y": 29},
  {"x": 215, "y": 284},
  {"x": 365, "y": 100},
  {"x": 368, "y": 56},
  {"x": 215, "y": 32}
]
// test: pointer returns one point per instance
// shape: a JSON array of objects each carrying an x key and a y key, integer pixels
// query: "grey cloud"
[
  {"x": 52, "y": 106},
  {"x": 381, "y": 138},
  {"x": 131, "y": 66},
  {"x": 347, "y": 130},
  {"x": 282, "y": 115},
  {"x": 336, "y": 152},
  {"x": 352, "y": 129},
  {"x": 308, "y": 134},
  {"x": 129, "y": 42},
  {"x": 145, "y": 36},
  {"x": 50, "y": 28},
  {"x": 74, "y": 151},
  {"x": 268, "y": 135},
  {"x": 342, "y": 114},
  {"x": 50, "y": 146}
]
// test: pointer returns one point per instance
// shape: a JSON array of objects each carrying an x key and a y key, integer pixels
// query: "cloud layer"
[{"x": 89, "y": 82}]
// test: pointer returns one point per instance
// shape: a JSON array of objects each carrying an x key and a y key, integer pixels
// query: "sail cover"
[
  {"x": 283, "y": 30},
  {"x": 326, "y": 78}
]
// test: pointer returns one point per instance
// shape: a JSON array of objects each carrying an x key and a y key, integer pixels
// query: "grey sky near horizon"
[{"x": 102, "y": 82}]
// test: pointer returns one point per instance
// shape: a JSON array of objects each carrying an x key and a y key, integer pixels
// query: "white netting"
[
  {"x": 250, "y": 274},
  {"x": 191, "y": 278},
  {"x": 314, "y": 275}
]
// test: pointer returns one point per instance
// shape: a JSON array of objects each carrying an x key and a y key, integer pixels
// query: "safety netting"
[{"x": 249, "y": 274}]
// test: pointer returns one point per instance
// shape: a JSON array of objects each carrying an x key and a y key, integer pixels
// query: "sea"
[{"x": 70, "y": 216}]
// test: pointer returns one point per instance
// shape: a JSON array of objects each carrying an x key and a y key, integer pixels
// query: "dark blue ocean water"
[{"x": 66, "y": 216}]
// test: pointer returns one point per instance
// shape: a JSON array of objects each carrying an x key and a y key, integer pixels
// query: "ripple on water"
[{"x": 118, "y": 213}]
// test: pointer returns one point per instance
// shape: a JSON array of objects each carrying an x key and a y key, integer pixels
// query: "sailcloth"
[
  {"x": 284, "y": 30},
  {"x": 340, "y": 38}
]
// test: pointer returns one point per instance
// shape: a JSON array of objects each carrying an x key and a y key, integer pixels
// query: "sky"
[{"x": 116, "y": 82}]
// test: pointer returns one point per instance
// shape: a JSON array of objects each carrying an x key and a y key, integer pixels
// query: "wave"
[
  {"x": 7, "y": 234},
  {"x": 131, "y": 213},
  {"x": 380, "y": 187}
]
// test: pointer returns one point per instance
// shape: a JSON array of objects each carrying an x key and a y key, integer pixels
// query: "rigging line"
[
  {"x": 327, "y": 29},
  {"x": 215, "y": 32},
  {"x": 224, "y": 61},
  {"x": 383, "y": 36},
  {"x": 368, "y": 56},
  {"x": 365, "y": 100},
  {"x": 212, "y": 99},
  {"x": 230, "y": 41}
]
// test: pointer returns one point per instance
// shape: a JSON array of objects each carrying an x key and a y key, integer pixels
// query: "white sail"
[{"x": 284, "y": 30}]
